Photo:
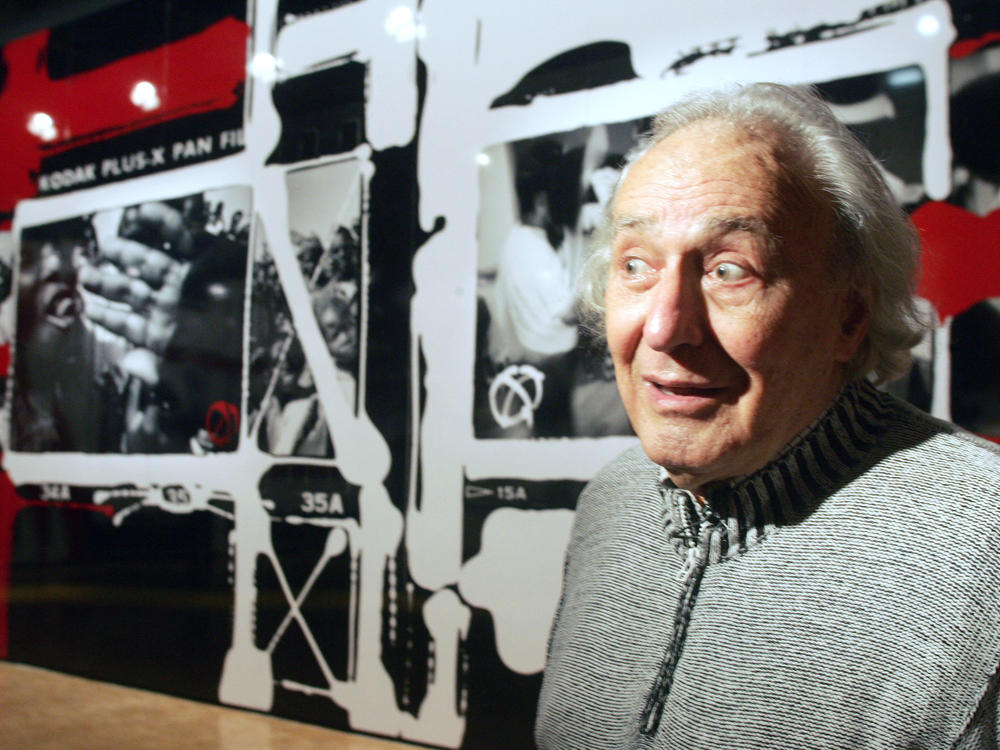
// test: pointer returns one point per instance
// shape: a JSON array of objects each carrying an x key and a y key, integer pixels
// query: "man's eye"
[
  {"x": 636, "y": 267},
  {"x": 728, "y": 272}
]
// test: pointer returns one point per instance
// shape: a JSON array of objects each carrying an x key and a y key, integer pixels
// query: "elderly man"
[{"x": 792, "y": 558}]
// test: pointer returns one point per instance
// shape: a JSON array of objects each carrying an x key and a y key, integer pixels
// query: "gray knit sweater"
[{"x": 845, "y": 596}]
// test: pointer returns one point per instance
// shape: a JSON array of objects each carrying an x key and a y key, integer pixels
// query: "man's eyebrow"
[
  {"x": 714, "y": 227},
  {"x": 727, "y": 224},
  {"x": 718, "y": 227},
  {"x": 633, "y": 223}
]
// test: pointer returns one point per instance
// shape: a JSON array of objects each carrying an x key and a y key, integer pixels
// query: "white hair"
[{"x": 875, "y": 243}]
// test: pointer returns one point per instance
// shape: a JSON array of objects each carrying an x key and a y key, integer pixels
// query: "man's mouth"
[
  {"x": 63, "y": 308},
  {"x": 685, "y": 390},
  {"x": 683, "y": 397}
]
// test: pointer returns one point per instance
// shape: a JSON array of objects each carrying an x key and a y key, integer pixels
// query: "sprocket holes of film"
[{"x": 515, "y": 394}]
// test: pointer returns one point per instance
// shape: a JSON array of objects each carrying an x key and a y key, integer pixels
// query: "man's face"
[
  {"x": 49, "y": 304},
  {"x": 728, "y": 329}
]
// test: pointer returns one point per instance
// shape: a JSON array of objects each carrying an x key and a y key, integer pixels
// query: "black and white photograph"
[
  {"x": 325, "y": 227},
  {"x": 539, "y": 371},
  {"x": 130, "y": 327}
]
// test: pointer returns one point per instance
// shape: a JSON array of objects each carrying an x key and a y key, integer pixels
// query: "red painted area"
[
  {"x": 201, "y": 73},
  {"x": 4, "y": 359},
  {"x": 966, "y": 47},
  {"x": 11, "y": 504},
  {"x": 960, "y": 263}
]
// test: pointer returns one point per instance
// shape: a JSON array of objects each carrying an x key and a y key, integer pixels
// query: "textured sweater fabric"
[{"x": 847, "y": 595}]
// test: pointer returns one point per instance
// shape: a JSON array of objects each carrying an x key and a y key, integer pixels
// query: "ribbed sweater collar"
[{"x": 805, "y": 472}]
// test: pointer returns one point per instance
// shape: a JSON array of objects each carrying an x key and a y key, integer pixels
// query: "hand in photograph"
[
  {"x": 167, "y": 279},
  {"x": 135, "y": 281}
]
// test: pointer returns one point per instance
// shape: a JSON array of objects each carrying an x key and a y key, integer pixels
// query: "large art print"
[{"x": 297, "y": 402}]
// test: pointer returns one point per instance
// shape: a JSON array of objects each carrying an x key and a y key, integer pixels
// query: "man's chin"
[{"x": 691, "y": 466}]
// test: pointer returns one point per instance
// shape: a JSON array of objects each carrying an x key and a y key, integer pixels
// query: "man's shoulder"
[
  {"x": 630, "y": 467},
  {"x": 942, "y": 450},
  {"x": 630, "y": 473},
  {"x": 926, "y": 468},
  {"x": 621, "y": 500},
  {"x": 523, "y": 241}
]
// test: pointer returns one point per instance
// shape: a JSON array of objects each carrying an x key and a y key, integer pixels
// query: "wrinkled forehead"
[
  {"x": 718, "y": 147},
  {"x": 762, "y": 180},
  {"x": 705, "y": 162}
]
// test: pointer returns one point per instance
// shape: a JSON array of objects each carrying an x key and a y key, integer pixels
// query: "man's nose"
[{"x": 676, "y": 313}]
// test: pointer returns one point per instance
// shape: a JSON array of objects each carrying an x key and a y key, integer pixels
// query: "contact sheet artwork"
[{"x": 297, "y": 403}]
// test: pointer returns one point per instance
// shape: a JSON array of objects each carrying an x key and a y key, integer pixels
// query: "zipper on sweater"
[{"x": 695, "y": 529}]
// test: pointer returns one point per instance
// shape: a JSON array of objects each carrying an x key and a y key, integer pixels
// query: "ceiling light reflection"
[
  {"x": 42, "y": 125},
  {"x": 403, "y": 25},
  {"x": 145, "y": 96},
  {"x": 264, "y": 66},
  {"x": 928, "y": 25}
]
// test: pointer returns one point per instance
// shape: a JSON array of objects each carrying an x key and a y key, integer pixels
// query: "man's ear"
[{"x": 854, "y": 322}]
